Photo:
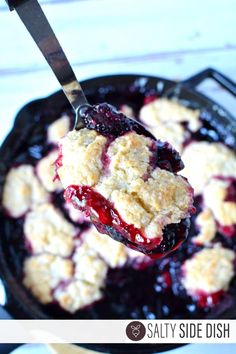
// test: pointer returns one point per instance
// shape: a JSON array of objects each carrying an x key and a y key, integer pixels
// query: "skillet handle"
[{"x": 223, "y": 80}]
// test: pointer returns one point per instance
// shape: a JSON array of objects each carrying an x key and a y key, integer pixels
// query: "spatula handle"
[{"x": 34, "y": 19}]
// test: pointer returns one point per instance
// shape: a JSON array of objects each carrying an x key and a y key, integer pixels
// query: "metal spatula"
[
  {"x": 34, "y": 19},
  {"x": 40, "y": 30}
]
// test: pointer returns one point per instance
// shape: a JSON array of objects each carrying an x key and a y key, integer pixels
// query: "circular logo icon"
[{"x": 135, "y": 331}]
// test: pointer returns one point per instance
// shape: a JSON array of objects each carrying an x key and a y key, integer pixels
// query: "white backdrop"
[{"x": 171, "y": 38}]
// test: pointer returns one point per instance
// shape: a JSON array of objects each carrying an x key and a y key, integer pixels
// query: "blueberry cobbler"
[
  {"x": 75, "y": 271},
  {"x": 125, "y": 181}
]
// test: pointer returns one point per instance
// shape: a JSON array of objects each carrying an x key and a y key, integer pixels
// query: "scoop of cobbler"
[{"x": 126, "y": 182}]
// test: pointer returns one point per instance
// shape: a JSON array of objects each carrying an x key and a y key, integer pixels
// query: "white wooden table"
[{"x": 170, "y": 38}]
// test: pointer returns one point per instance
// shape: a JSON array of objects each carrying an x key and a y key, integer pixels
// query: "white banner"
[{"x": 117, "y": 331}]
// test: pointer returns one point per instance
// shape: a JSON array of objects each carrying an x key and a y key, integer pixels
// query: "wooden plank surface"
[
  {"x": 168, "y": 38},
  {"x": 106, "y": 30}
]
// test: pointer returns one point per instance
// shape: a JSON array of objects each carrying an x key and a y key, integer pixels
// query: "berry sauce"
[
  {"x": 208, "y": 300},
  {"x": 106, "y": 120},
  {"x": 107, "y": 220},
  {"x": 148, "y": 290}
]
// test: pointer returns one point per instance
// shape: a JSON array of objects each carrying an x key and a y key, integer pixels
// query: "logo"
[{"x": 135, "y": 331}]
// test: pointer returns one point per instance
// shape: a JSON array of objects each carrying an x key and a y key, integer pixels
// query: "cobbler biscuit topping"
[
  {"x": 113, "y": 253},
  {"x": 77, "y": 294},
  {"x": 207, "y": 227},
  {"x": 42, "y": 273},
  {"x": 210, "y": 159},
  {"x": 209, "y": 271},
  {"x": 46, "y": 172},
  {"x": 89, "y": 267},
  {"x": 163, "y": 110},
  {"x": 22, "y": 190},
  {"x": 128, "y": 158},
  {"x": 86, "y": 148},
  {"x": 151, "y": 205},
  {"x": 47, "y": 230},
  {"x": 73, "y": 282},
  {"x": 58, "y": 129},
  {"x": 166, "y": 120},
  {"x": 215, "y": 198},
  {"x": 125, "y": 172}
]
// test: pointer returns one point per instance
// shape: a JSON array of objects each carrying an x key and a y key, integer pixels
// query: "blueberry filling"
[{"x": 106, "y": 120}]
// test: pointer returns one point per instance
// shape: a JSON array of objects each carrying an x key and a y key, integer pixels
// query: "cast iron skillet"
[{"x": 19, "y": 303}]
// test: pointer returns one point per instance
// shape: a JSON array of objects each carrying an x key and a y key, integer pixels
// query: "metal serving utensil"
[{"x": 34, "y": 19}]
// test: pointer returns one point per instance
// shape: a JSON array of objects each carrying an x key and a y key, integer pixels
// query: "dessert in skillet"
[
  {"x": 126, "y": 182},
  {"x": 73, "y": 271}
]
